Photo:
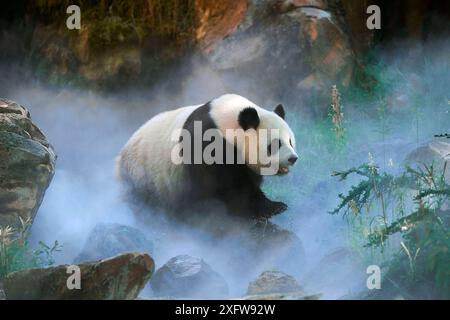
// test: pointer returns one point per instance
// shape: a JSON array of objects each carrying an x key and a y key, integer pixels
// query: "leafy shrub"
[
  {"x": 422, "y": 249},
  {"x": 16, "y": 254}
]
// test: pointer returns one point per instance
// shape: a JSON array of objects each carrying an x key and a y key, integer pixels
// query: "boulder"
[
  {"x": 122, "y": 277},
  {"x": 270, "y": 282},
  {"x": 309, "y": 42},
  {"x": 27, "y": 165},
  {"x": 282, "y": 296},
  {"x": 434, "y": 152},
  {"x": 275, "y": 246},
  {"x": 188, "y": 277},
  {"x": 109, "y": 240},
  {"x": 337, "y": 273}
]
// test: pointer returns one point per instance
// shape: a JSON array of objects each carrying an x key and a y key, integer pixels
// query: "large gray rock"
[
  {"x": 336, "y": 274},
  {"x": 434, "y": 152},
  {"x": 109, "y": 240},
  {"x": 270, "y": 282},
  {"x": 122, "y": 277},
  {"x": 188, "y": 277},
  {"x": 27, "y": 165}
]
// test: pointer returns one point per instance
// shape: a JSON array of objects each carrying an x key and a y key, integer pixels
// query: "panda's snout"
[{"x": 292, "y": 159}]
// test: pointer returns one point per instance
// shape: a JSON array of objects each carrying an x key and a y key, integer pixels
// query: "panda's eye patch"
[{"x": 272, "y": 146}]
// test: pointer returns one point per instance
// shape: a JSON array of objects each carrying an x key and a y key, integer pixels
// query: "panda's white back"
[{"x": 145, "y": 161}]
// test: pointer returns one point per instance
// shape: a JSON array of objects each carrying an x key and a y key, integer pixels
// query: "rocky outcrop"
[
  {"x": 125, "y": 41},
  {"x": 109, "y": 240},
  {"x": 188, "y": 277},
  {"x": 27, "y": 165},
  {"x": 143, "y": 39},
  {"x": 121, "y": 41},
  {"x": 270, "y": 282},
  {"x": 122, "y": 277}
]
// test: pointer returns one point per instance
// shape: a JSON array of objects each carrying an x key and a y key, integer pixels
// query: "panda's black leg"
[
  {"x": 270, "y": 208},
  {"x": 266, "y": 208}
]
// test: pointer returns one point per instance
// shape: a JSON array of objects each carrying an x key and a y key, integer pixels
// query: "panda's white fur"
[{"x": 145, "y": 161}]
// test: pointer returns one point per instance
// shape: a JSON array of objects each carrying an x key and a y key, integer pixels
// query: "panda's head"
[{"x": 272, "y": 151}]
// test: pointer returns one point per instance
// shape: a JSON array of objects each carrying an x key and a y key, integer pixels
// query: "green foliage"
[
  {"x": 45, "y": 254},
  {"x": 16, "y": 254},
  {"x": 118, "y": 21},
  {"x": 424, "y": 243}
]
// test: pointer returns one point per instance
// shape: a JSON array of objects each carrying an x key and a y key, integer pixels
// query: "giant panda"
[{"x": 146, "y": 168}]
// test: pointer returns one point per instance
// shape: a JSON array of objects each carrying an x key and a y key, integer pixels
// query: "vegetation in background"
[
  {"x": 115, "y": 21},
  {"x": 336, "y": 114},
  {"x": 15, "y": 253},
  {"x": 119, "y": 42}
]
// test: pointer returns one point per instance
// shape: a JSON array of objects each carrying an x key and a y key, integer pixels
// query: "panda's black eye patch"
[{"x": 271, "y": 147}]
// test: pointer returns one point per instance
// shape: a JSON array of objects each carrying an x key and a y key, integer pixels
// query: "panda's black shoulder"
[{"x": 203, "y": 115}]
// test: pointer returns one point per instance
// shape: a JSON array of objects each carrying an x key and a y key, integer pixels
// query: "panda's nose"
[{"x": 292, "y": 159}]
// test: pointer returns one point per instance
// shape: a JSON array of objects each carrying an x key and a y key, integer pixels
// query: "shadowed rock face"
[
  {"x": 118, "y": 278},
  {"x": 109, "y": 240},
  {"x": 27, "y": 165}
]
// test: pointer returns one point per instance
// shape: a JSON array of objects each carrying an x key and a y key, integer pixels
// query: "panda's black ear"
[
  {"x": 279, "y": 110},
  {"x": 248, "y": 118}
]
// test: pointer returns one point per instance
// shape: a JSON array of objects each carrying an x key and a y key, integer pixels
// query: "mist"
[{"x": 88, "y": 129}]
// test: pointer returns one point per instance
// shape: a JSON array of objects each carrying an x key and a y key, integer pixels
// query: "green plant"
[
  {"x": 16, "y": 254},
  {"x": 336, "y": 114},
  {"x": 421, "y": 238},
  {"x": 46, "y": 253}
]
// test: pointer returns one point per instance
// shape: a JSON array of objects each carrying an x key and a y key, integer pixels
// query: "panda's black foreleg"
[
  {"x": 251, "y": 202},
  {"x": 267, "y": 208}
]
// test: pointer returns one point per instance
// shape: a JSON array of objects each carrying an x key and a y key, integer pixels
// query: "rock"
[
  {"x": 307, "y": 41},
  {"x": 83, "y": 58},
  {"x": 118, "y": 43},
  {"x": 27, "y": 165},
  {"x": 270, "y": 282},
  {"x": 436, "y": 152},
  {"x": 126, "y": 41},
  {"x": 282, "y": 6},
  {"x": 216, "y": 20},
  {"x": 109, "y": 240},
  {"x": 339, "y": 272},
  {"x": 282, "y": 296},
  {"x": 2, "y": 292},
  {"x": 188, "y": 277},
  {"x": 275, "y": 246},
  {"x": 354, "y": 13},
  {"x": 121, "y": 277}
]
